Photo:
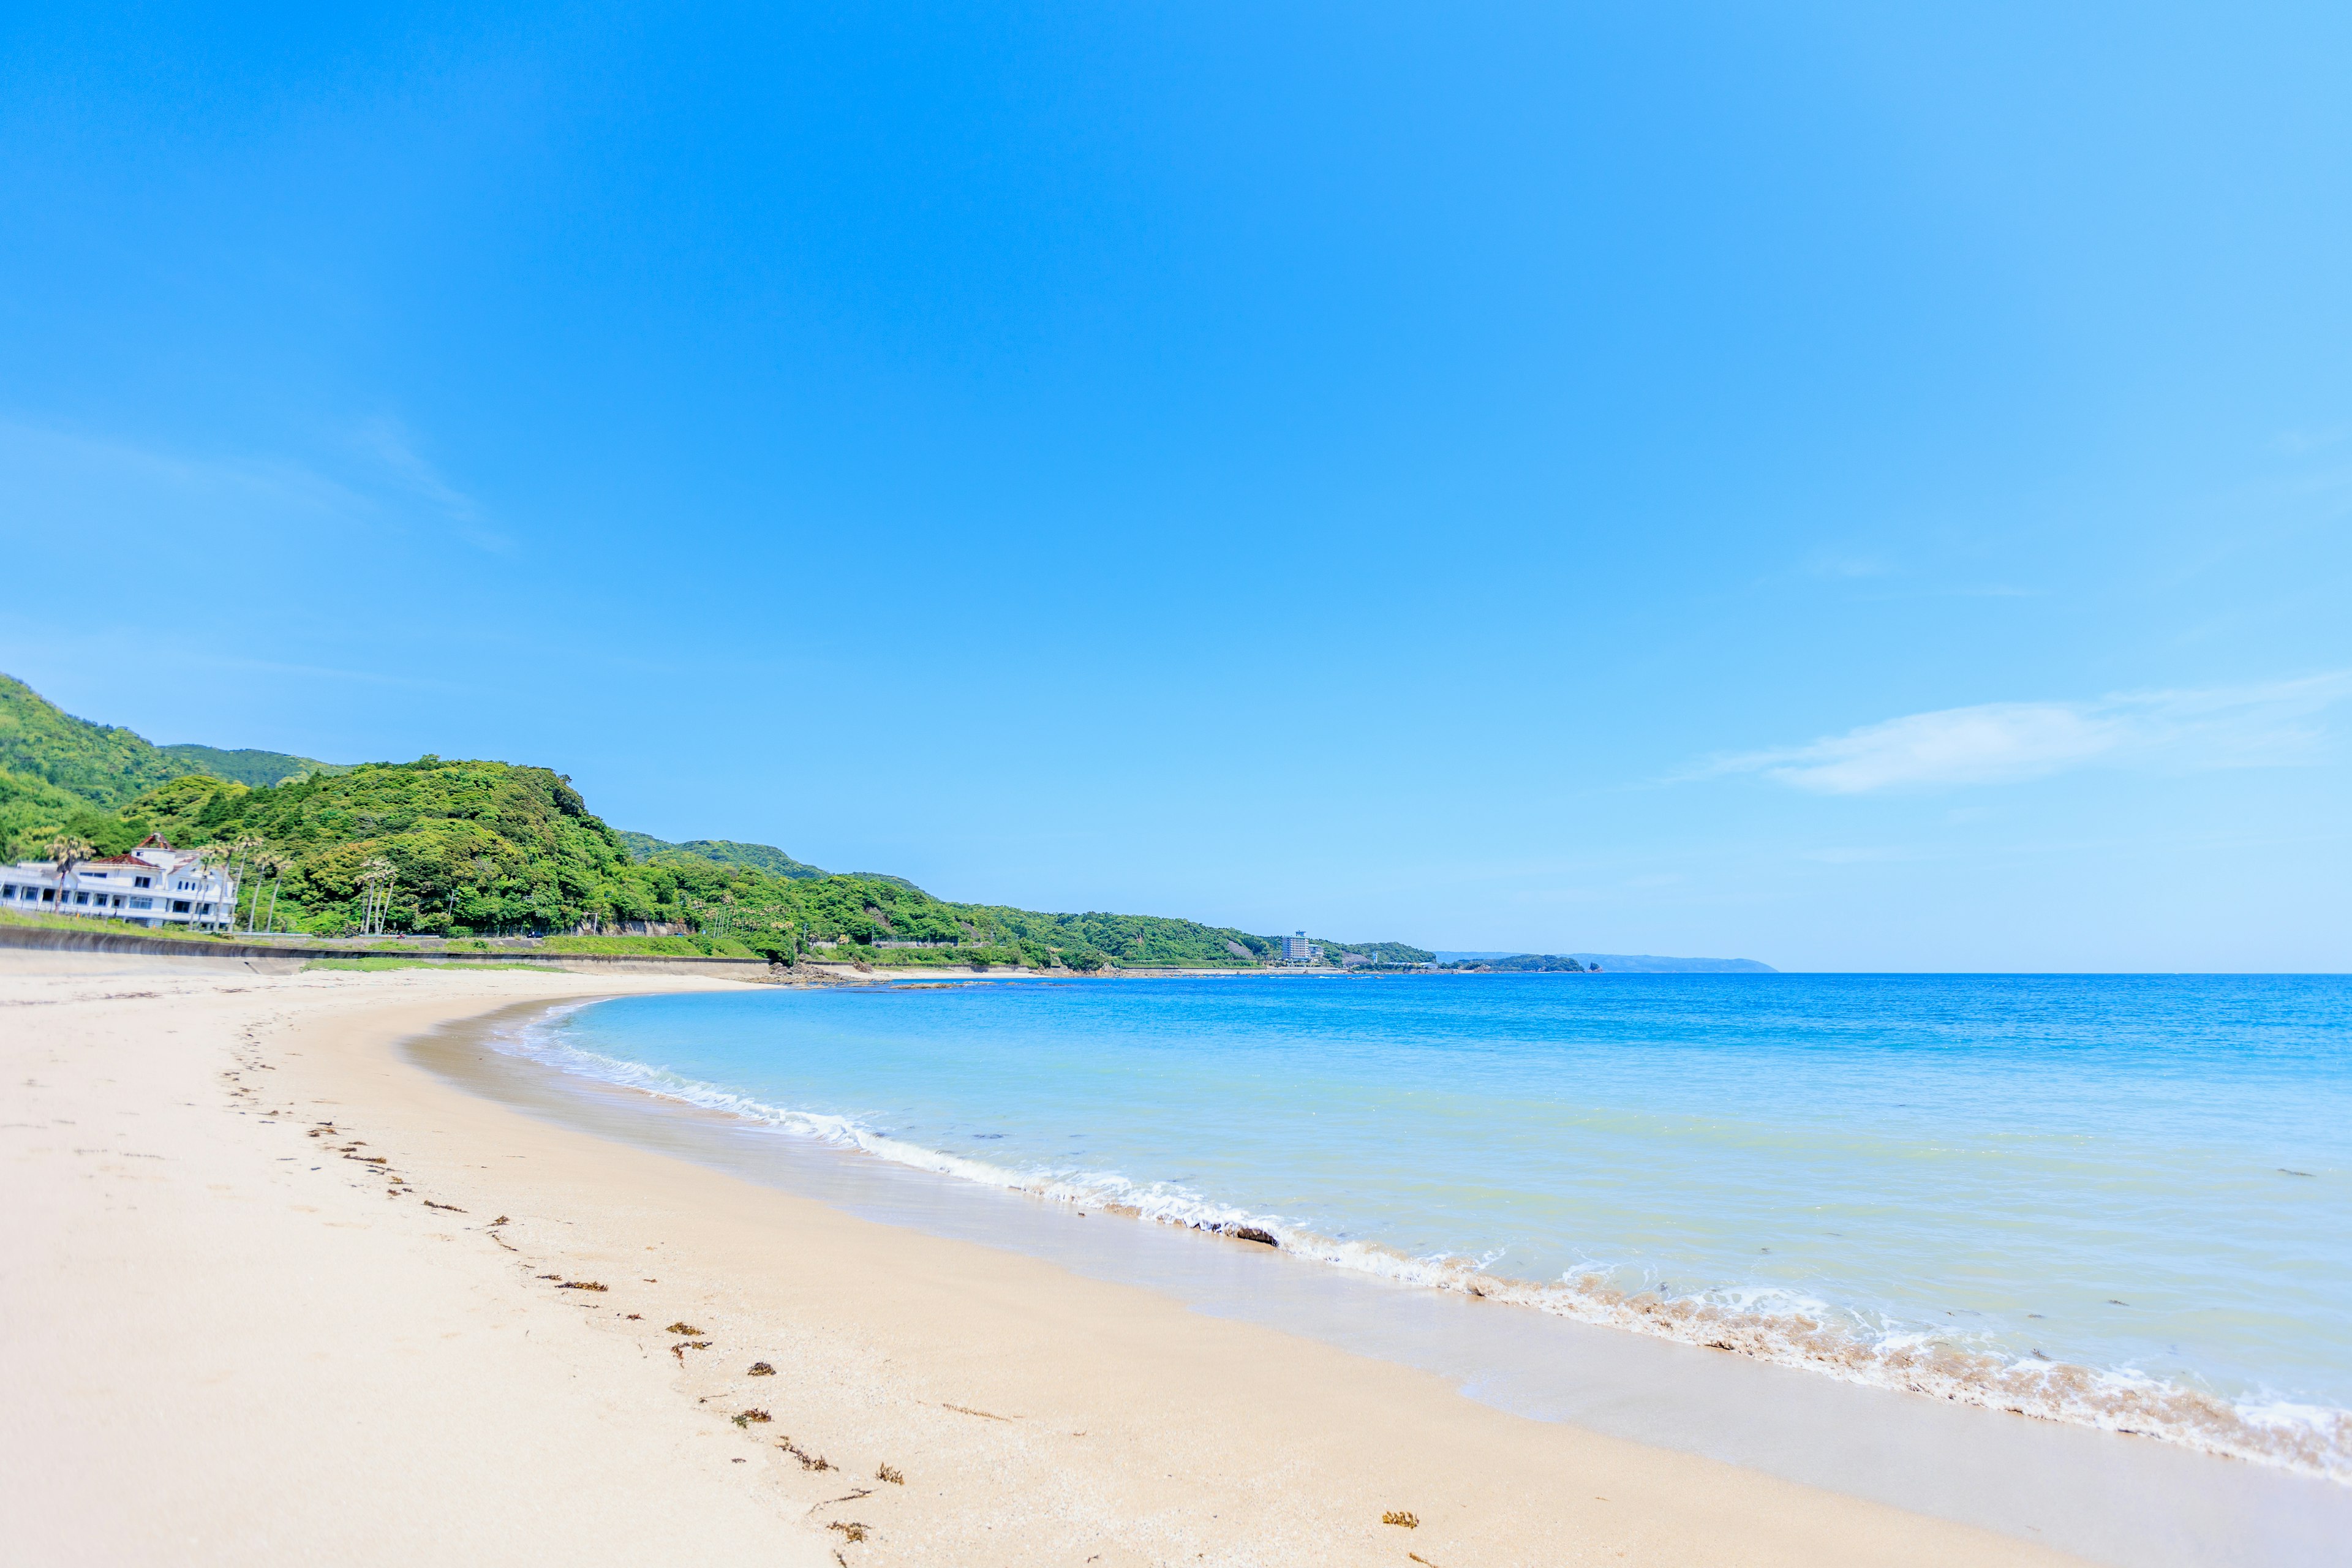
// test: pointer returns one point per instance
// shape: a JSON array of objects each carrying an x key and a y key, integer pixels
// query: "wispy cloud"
[
  {"x": 72, "y": 462},
  {"x": 388, "y": 442},
  {"x": 1844, "y": 566},
  {"x": 1996, "y": 742},
  {"x": 378, "y": 478},
  {"x": 2295, "y": 443}
]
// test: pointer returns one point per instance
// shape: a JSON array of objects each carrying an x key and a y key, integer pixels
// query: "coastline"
[
  {"x": 178, "y": 1216},
  {"x": 1803, "y": 1334}
]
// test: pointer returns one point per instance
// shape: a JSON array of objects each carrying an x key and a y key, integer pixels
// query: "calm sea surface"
[{"x": 2119, "y": 1200}]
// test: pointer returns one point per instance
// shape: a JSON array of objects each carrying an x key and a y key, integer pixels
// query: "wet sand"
[{"x": 280, "y": 1292}]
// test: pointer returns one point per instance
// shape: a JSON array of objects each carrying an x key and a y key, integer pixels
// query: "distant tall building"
[{"x": 1298, "y": 950}]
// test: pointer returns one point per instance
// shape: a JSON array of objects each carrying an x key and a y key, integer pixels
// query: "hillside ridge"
[{"x": 476, "y": 848}]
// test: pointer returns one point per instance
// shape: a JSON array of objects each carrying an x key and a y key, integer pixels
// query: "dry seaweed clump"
[
  {"x": 580, "y": 1285},
  {"x": 1398, "y": 1516},
  {"x": 761, "y": 1369},
  {"x": 745, "y": 1418},
  {"x": 808, "y": 1461},
  {"x": 850, "y": 1528},
  {"x": 890, "y": 1473},
  {"x": 680, "y": 1327}
]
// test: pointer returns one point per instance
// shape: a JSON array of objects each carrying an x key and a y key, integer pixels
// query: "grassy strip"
[
  {"x": 107, "y": 923},
  {"x": 373, "y": 965},
  {"x": 651, "y": 946}
]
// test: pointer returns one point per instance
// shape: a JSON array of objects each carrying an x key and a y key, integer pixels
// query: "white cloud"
[{"x": 1996, "y": 742}]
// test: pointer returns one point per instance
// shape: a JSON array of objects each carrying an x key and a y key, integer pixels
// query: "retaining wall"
[{"x": 277, "y": 958}]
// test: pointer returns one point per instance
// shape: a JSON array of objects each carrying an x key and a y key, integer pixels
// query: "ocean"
[{"x": 2116, "y": 1201}]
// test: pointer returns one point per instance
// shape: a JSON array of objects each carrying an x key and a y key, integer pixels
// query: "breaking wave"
[{"x": 1767, "y": 1324}]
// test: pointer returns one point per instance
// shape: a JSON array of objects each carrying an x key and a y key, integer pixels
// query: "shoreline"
[
  {"x": 2059, "y": 1391},
  {"x": 1036, "y": 1414},
  {"x": 2160, "y": 1501}
]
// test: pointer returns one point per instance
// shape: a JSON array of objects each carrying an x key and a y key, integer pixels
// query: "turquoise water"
[{"x": 2114, "y": 1200}]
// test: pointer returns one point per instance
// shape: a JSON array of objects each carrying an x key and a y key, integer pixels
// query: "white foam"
[{"x": 1768, "y": 1323}]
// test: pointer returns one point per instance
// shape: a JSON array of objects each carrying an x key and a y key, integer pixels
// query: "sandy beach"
[{"x": 279, "y": 1294}]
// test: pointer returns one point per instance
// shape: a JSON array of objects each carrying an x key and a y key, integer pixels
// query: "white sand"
[{"x": 225, "y": 1342}]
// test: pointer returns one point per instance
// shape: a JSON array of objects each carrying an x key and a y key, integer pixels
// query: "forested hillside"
[
  {"x": 100, "y": 764},
  {"x": 105, "y": 765},
  {"x": 247, "y": 766},
  {"x": 727, "y": 852},
  {"x": 477, "y": 847}
]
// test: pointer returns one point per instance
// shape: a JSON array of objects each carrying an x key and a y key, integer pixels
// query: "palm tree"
[
  {"x": 273, "y": 866},
  {"x": 376, "y": 876},
  {"x": 241, "y": 852},
  {"x": 64, "y": 850},
  {"x": 210, "y": 859}
]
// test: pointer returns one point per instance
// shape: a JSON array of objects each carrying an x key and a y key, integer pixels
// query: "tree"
[
  {"x": 375, "y": 883},
  {"x": 241, "y": 852},
  {"x": 64, "y": 850},
  {"x": 272, "y": 866},
  {"x": 210, "y": 861}
]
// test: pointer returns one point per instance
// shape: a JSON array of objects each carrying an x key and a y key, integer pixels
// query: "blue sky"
[{"x": 1842, "y": 485}]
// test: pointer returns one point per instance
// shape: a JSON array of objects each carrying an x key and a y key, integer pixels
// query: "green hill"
[
  {"x": 1381, "y": 951},
  {"x": 33, "y": 811},
  {"x": 105, "y": 765},
  {"x": 100, "y": 764},
  {"x": 725, "y": 852},
  {"x": 249, "y": 767},
  {"x": 479, "y": 848}
]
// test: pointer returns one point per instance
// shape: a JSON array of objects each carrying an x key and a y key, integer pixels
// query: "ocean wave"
[{"x": 1766, "y": 1324}]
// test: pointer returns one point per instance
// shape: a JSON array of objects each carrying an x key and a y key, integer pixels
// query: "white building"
[
  {"x": 1298, "y": 950},
  {"x": 154, "y": 885}
]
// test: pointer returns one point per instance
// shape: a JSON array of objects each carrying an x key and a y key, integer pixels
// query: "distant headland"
[{"x": 1618, "y": 962}]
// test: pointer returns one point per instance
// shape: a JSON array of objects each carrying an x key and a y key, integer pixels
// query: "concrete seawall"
[{"x": 278, "y": 958}]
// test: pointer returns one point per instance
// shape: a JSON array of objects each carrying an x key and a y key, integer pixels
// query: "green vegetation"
[
  {"x": 373, "y": 965},
  {"x": 97, "y": 763},
  {"x": 699, "y": 944},
  {"x": 101, "y": 922},
  {"x": 474, "y": 848},
  {"x": 251, "y": 768},
  {"x": 725, "y": 852},
  {"x": 1527, "y": 964},
  {"x": 33, "y": 811},
  {"x": 1379, "y": 951},
  {"x": 105, "y": 765}
]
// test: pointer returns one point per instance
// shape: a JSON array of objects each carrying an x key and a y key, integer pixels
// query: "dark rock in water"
[{"x": 1251, "y": 1233}]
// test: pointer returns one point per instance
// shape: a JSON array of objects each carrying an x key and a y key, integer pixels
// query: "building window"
[
  {"x": 143, "y": 903},
  {"x": 9, "y": 891},
  {"x": 81, "y": 897},
  {"x": 142, "y": 882},
  {"x": 179, "y": 906}
]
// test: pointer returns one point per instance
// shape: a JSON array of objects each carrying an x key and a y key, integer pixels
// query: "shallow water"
[{"x": 2119, "y": 1201}]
